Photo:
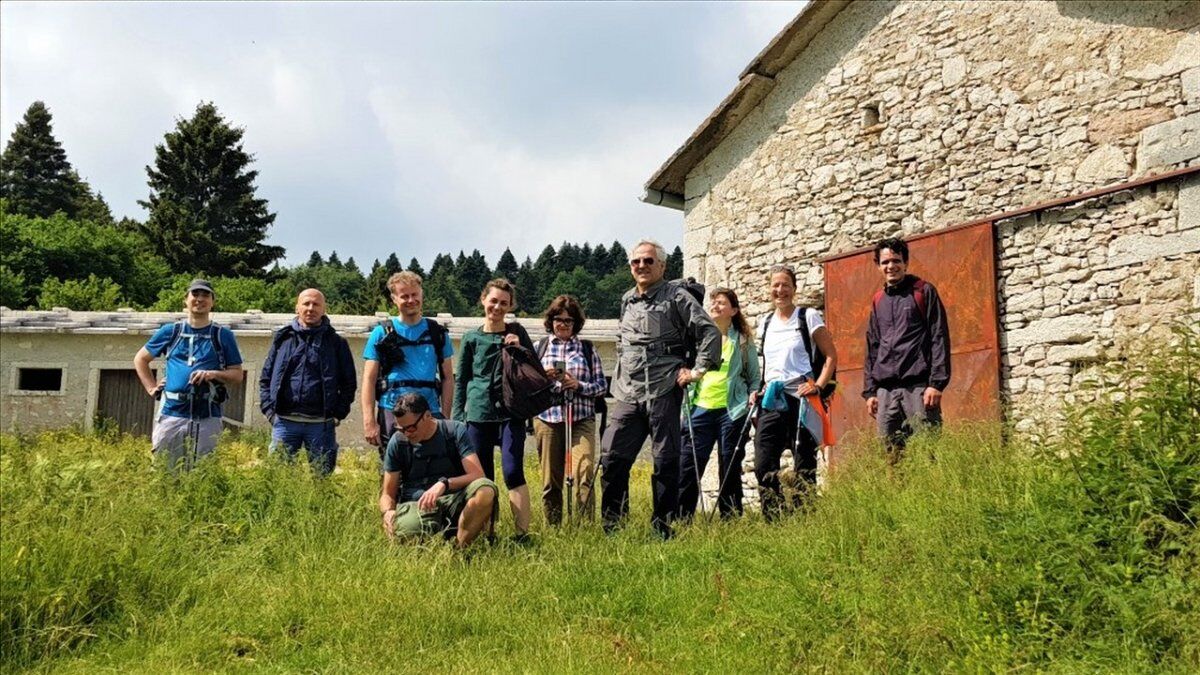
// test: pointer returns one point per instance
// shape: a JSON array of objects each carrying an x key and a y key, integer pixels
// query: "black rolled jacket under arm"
[
  {"x": 347, "y": 379},
  {"x": 704, "y": 332},
  {"x": 903, "y": 347}
]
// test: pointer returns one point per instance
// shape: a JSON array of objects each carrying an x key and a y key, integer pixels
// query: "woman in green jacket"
[
  {"x": 477, "y": 397},
  {"x": 720, "y": 404}
]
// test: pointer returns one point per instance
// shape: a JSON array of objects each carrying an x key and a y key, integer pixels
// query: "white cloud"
[
  {"x": 392, "y": 127},
  {"x": 506, "y": 194}
]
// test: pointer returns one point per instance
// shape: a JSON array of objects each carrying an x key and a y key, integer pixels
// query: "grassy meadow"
[{"x": 1076, "y": 554}]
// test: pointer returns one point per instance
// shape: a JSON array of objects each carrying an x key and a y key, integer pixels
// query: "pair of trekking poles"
[
  {"x": 192, "y": 443},
  {"x": 741, "y": 438}
]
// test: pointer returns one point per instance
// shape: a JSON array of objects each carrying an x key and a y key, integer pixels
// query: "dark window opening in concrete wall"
[
  {"x": 39, "y": 379},
  {"x": 872, "y": 115}
]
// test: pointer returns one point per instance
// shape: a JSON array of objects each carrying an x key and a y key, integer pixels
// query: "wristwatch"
[{"x": 445, "y": 481}]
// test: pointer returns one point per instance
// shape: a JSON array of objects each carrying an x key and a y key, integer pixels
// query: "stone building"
[
  {"x": 62, "y": 368},
  {"x": 1044, "y": 158}
]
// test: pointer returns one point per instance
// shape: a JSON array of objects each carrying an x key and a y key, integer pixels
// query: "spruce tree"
[
  {"x": 618, "y": 258},
  {"x": 35, "y": 177},
  {"x": 392, "y": 265},
  {"x": 675, "y": 264},
  {"x": 442, "y": 261},
  {"x": 507, "y": 267},
  {"x": 599, "y": 264},
  {"x": 545, "y": 269},
  {"x": 528, "y": 286},
  {"x": 204, "y": 215},
  {"x": 91, "y": 207},
  {"x": 414, "y": 266},
  {"x": 473, "y": 274},
  {"x": 315, "y": 260},
  {"x": 568, "y": 258}
]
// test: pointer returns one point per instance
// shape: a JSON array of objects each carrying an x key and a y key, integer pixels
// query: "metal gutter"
[{"x": 1040, "y": 206}]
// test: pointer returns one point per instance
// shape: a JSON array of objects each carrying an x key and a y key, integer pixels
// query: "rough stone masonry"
[{"x": 906, "y": 117}]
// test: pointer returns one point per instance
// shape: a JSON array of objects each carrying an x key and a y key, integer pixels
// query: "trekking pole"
[
  {"x": 193, "y": 440},
  {"x": 569, "y": 469},
  {"x": 687, "y": 407},
  {"x": 737, "y": 444}
]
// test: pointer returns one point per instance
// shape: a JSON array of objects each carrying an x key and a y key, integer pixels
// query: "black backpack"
[
  {"x": 696, "y": 289},
  {"x": 526, "y": 390},
  {"x": 451, "y": 448},
  {"x": 815, "y": 355},
  {"x": 390, "y": 350}
]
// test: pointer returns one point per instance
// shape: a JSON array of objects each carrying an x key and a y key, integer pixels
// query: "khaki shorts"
[
  {"x": 410, "y": 521},
  {"x": 183, "y": 440}
]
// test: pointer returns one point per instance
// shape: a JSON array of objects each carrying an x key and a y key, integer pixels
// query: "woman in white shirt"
[{"x": 785, "y": 360}]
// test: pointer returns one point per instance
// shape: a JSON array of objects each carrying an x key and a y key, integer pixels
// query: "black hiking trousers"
[
  {"x": 777, "y": 432},
  {"x": 629, "y": 426}
]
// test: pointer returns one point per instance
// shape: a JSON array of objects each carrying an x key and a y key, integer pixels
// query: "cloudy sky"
[{"x": 379, "y": 127}]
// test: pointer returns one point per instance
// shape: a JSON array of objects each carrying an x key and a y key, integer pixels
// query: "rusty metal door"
[
  {"x": 960, "y": 263},
  {"x": 123, "y": 400}
]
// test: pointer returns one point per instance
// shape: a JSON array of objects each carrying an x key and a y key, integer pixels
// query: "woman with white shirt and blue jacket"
[
  {"x": 720, "y": 404},
  {"x": 786, "y": 361}
]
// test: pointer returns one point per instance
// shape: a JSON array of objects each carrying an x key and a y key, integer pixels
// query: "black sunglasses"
[
  {"x": 409, "y": 428},
  {"x": 634, "y": 262}
]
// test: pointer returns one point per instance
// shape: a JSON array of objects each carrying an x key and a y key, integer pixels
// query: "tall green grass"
[{"x": 1081, "y": 555}]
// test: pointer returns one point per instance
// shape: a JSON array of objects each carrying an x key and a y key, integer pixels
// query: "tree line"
[{"x": 63, "y": 248}]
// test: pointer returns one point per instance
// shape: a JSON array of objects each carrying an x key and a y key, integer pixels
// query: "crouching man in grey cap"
[{"x": 202, "y": 358}]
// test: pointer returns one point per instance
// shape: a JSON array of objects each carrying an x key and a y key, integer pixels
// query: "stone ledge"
[{"x": 1169, "y": 143}]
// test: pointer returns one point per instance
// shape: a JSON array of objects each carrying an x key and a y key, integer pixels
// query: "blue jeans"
[
  {"x": 510, "y": 436},
  {"x": 712, "y": 427},
  {"x": 318, "y": 438}
]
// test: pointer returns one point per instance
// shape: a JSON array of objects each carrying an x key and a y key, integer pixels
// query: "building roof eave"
[{"x": 754, "y": 83}]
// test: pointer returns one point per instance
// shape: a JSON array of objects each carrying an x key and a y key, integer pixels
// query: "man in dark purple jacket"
[
  {"x": 908, "y": 351},
  {"x": 307, "y": 384}
]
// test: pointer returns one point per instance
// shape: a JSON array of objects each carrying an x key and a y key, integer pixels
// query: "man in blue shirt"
[
  {"x": 406, "y": 354},
  {"x": 202, "y": 358}
]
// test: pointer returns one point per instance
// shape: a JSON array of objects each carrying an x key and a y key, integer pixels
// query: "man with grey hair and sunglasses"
[{"x": 661, "y": 324}]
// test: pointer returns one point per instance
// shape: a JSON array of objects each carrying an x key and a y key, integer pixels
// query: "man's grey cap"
[{"x": 200, "y": 285}]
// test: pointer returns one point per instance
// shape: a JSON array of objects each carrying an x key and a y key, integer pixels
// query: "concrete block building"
[{"x": 62, "y": 368}]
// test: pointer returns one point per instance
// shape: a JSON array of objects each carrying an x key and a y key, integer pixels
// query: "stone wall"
[
  {"x": 983, "y": 107},
  {"x": 1080, "y": 286}
]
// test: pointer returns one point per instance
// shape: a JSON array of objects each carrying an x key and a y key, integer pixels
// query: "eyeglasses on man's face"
[
  {"x": 647, "y": 261},
  {"x": 564, "y": 320},
  {"x": 411, "y": 428}
]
